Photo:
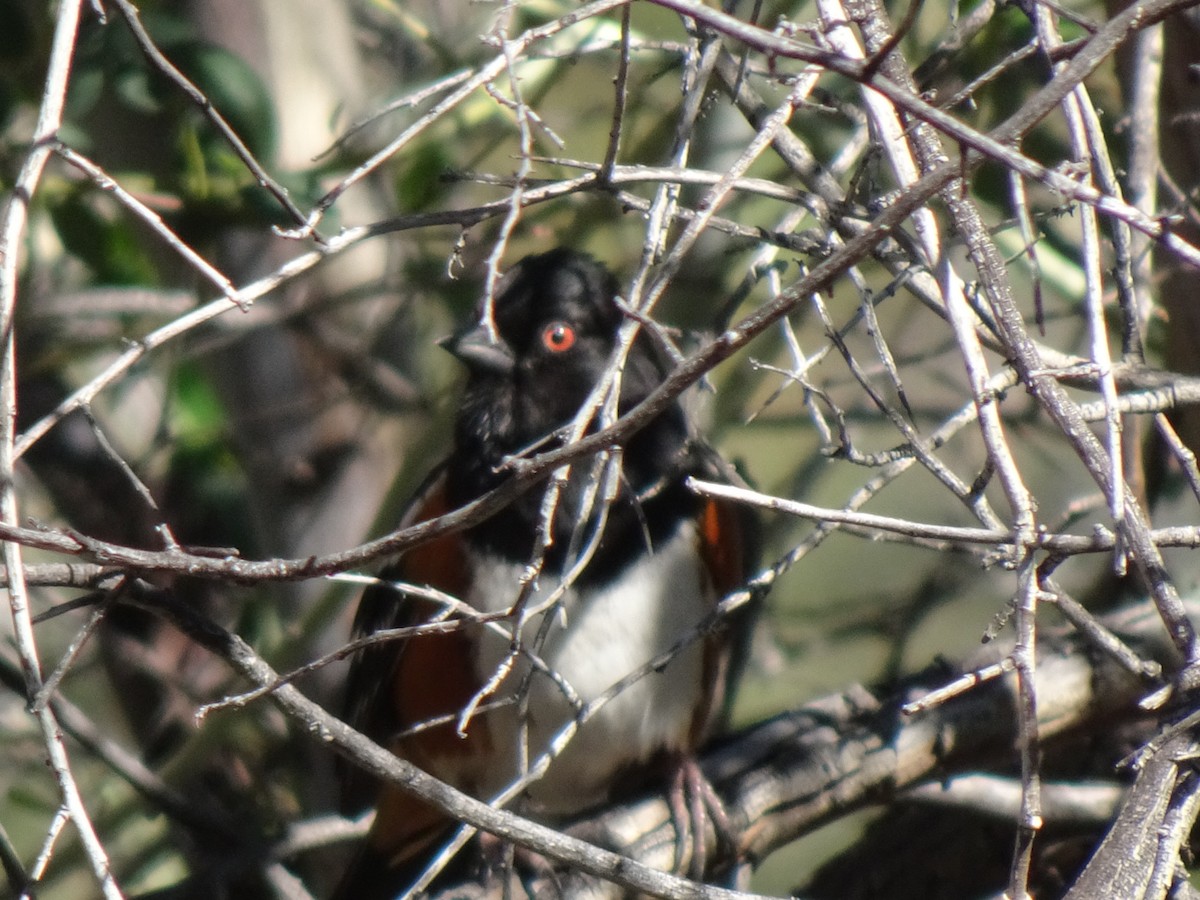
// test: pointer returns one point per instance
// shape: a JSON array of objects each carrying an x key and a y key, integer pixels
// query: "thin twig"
[
  {"x": 132, "y": 18},
  {"x": 11, "y": 232},
  {"x": 382, "y": 764},
  {"x": 999, "y": 144},
  {"x": 110, "y": 185},
  {"x": 929, "y": 154},
  {"x": 484, "y": 75},
  {"x": 620, "y": 99}
]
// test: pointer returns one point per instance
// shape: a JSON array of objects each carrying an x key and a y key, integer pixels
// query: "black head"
[
  {"x": 554, "y": 328},
  {"x": 552, "y": 332}
]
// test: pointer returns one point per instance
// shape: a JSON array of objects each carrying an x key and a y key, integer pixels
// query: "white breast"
[{"x": 592, "y": 645}]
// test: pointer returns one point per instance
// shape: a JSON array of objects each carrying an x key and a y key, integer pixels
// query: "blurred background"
[{"x": 299, "y": 426}]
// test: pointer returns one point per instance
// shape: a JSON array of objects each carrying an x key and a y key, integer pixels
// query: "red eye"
[{"x": 558, "y": 337}]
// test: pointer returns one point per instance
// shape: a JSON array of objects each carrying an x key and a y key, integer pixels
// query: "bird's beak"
[{"x": 480, "y": 349}]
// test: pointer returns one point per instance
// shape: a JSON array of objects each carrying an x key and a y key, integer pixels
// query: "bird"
[{"x": 622, "y": 564}]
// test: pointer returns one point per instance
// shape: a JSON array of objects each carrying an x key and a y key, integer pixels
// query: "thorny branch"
[
  {"x": 932, "y": 152},
  {"x": 12, "y": 231}
]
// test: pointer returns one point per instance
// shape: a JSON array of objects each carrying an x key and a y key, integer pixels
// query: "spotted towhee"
[{"x": 630, "y": 564}]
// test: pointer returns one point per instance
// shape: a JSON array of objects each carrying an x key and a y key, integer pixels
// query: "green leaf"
[
  {"x": 111, "y": 246},
  {"x": 235, "y": 90}
]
